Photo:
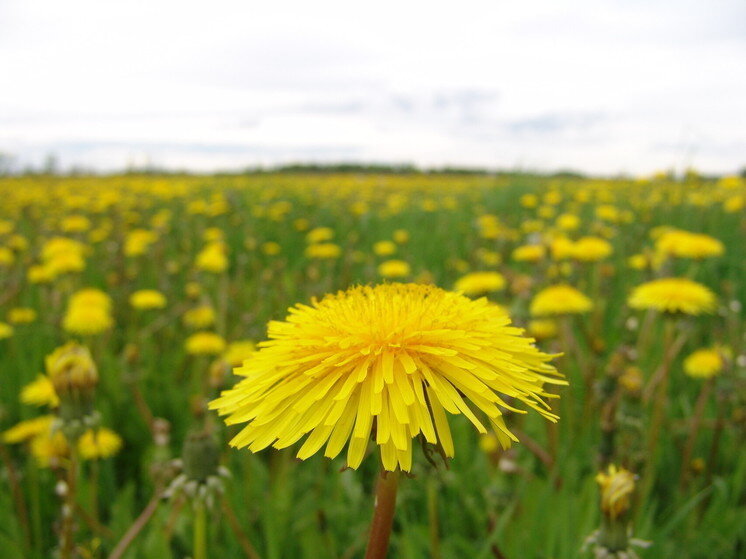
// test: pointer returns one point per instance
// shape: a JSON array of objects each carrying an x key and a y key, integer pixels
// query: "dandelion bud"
[
  {"x": 617, "y": 486},
  {"x": 74, "y": 377},
  {"x": 201, "y": 456}
]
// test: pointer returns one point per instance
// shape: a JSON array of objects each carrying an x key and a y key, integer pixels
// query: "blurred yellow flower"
[
  {"x": 40, "y": 392},
  {"x": 21, "y": 315},
  {"x": 6, "y": 330},
  {"x": 319, "y": 235},
  {"x": 87, "y": 320},
  {"x": 323, "y": 251},
  {"x": 212, "y": 258},
  {"x": 28, "y": 429},
  {"x": 673, "y": 295},
  {"x": 683, "y": 244},
  {"x": 704, "y": 363},
  {"x": 394, "y": 269},
  {"x": 591, "y": 249},
  {"x": 384, "y": 248},
  {"x": 543, "y": 328},
  {"x": 559, "y": 300},
  {"x": 529, "y": 253},
  {"x": 146, "y": 299},
  {"x": 204, "y": 343},
  {"x": 479, "y": 283},
  {"x": 199, "y": 317},
  {"x": 617, "y": 486},
  {"x": 99, "y": 443}
]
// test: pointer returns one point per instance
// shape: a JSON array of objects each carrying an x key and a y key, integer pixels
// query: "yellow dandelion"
[
  {"x": 204, "y": 343},
  {"x": 320, "y": 235},
  {"x": 394, "y": 269},
  {"x": 212, "y": 258},
  {"x": 559, "y": 300},
  {"x": 87, "y": 320},
  {"x": 704, "y": 363},
  {"x": 238, "y": 351},
  {"x": 591, "y": 249},
  {"x": 683, "y": 244},
  {"x": 146, "y": 299},
  {"x": 21, "y": 315},
  {"x": 617, "y": 486},
  {"x": 6, "y": 330},
  {"x": 90, "y": 297},
  {"x": 479, "y": 283},
  {"x": 395, "y": 355},
  {"x": 543, "y": 328},
  {"x": 323, "y": 251},
  {"x": 384, "y": 248},
  {"x": 49, "y": 447},
  {"x": 28, "y": 429},
  {"x": 40, "y": 392},
  {"x": 673, "y": 295},
  {"x": 99, "y": 443},
  {"x": 199, "y": 317},
  {"x": 529, "y": 253}
]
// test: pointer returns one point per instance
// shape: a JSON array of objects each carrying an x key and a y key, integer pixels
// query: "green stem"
[
  {"x": 200, "y": 530},
  {"x": 383, "y": 515}
]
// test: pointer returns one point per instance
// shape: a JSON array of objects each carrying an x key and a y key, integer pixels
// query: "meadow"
[{"x": 166, "y": 283}]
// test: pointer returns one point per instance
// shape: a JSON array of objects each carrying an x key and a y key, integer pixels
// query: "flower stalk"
[{"x": 383, "y": 515}]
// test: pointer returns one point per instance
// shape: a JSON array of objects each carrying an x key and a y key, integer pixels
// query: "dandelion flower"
[
  {"x": 87, "y": 320},
  {"x": 394, "y": 269},
  {"x": 205, "y": 343},
  {"x": 559, "y": 300},
  {"x": 479, "y": 283},
  {"x": 683, "y": 244},
  {"x": 146, "y": 299},
  {"x": 99, "y": 443},
  {"x": 323, "y": 251},
  {"x": 529, "y": 253},
  {"x": 28, "y": 429},
  {"x": 21, "y": 315},
  {"x": 704, "y": 363},
  {"x": 591, "y": 249},
  {"x": 397, "y": 357},
  {"x": 199, "y": 317},
  {"x": 617, "y": 486},
  {"x": 384, "y": 248},
  {"x": 40, "y": 392},
  {"x": 6, "y": 330},
  {"x": 673, "y": 295}
]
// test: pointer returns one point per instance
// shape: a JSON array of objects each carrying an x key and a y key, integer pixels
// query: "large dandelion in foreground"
[{"x": 389, "y": 363}]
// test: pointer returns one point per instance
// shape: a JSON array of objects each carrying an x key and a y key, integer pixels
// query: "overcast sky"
[{"x": 600, "y": 86}]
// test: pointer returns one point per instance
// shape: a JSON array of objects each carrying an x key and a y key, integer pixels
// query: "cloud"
[{"x": 599, "y": 86}]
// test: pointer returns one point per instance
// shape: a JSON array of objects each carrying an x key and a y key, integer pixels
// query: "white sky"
[{"x": 600, "y": 86}]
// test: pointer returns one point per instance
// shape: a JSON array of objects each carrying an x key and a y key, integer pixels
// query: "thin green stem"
[{"x": 200, "y": 530}]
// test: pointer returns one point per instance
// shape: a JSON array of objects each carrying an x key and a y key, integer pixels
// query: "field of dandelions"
[{"x": 126, "y": 302}]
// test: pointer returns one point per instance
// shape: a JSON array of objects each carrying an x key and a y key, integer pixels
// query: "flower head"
[
  {"x": 559, "y": 300},
  {"x": 205, "y": 343},
  {"x": 394, "y": 269},
  {"x": 704, "y": 363},
  {"x": 99, "y": 443},
  {"x": 673, "y": 295},
  {"x": 617, "y": 486},
  {"x": 40, "y": 392},
  {"x": 396, "y": 357},
  {"x": 479, "y": 283},
  {"x": 145, "y": 299}
]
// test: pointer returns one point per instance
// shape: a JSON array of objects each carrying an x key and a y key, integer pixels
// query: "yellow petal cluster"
[
  {"x": 673, "y": 295},
  {"x": 388, "y": 362}
]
